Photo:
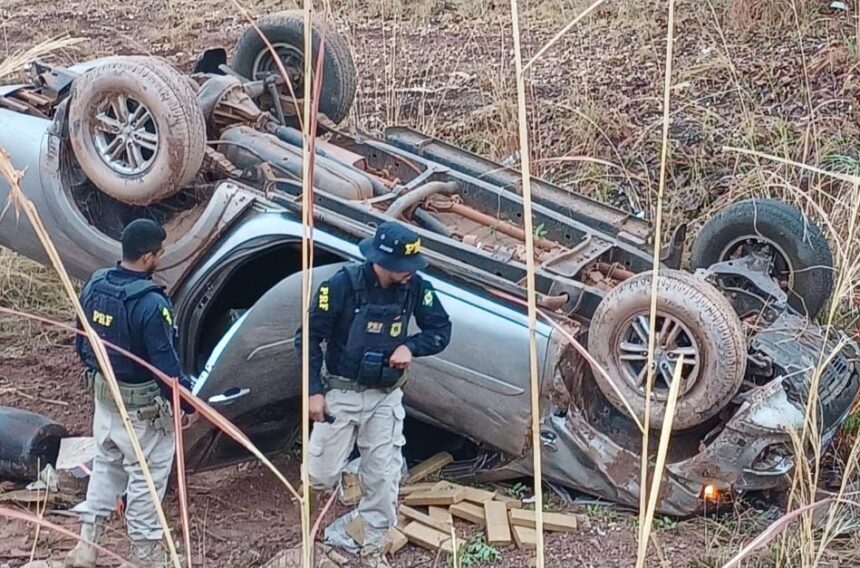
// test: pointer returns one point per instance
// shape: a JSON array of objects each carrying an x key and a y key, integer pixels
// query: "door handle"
[{"x": 228, "y": 397}]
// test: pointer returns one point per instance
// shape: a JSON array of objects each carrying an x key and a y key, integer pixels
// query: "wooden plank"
[
  {"x": 428, "y": 538},
  {"x": 441, "y": 514},
  {"x": 525, "y": 537},
  {"x": 468, "y": 512},
  {"x": 351, "y": 489},
  {"x": 552, "y": 522},
  {"x": 23, "y": 497},
  {"x": 496, "y": 516},
  {"x": 416, "y": 487},
  {"x": 396, "y": 541},
  {"x": 473, "y": 494},
  {"x": 429, "y": 467},
  {"x": 443, "y": 497},
  {"x": 479, "y": 495},
  {"x": 511, "y": 502},
  {"x": 335, "y": 557},
  {"x": 355, "y": 529},
  {"x": 416, "y": 515}
]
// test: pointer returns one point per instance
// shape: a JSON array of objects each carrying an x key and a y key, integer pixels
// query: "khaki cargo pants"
[
  {"x": 374, "y": 420},
  {"x": 116, "y": 470}
]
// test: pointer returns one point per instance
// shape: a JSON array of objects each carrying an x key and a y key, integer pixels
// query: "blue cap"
[{"x": 394, "y": 247}]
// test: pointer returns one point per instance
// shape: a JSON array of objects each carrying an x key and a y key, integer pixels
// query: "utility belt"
[
  {"x": 143, "y": 401},
  {"x": 336, "y": 382}
]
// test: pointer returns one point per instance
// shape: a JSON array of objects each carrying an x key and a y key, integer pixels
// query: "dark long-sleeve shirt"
[
  {"x": 334, "y": 307},
  {"x": 152, "y": 330}
]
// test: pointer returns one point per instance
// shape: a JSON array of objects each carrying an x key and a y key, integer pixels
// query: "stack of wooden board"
[{"x": 428, "y": 510}]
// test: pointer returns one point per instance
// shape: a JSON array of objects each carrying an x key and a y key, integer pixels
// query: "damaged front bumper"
[
  {"x": 756, "y": 449},
  {"x": 752, "y": 448}
]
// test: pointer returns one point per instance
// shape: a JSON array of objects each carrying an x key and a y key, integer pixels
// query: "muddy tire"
[
  {"x": 285, "y": 30},
  {"x": 136, "y": 129},
  {"x": 803, "y": 262},
  {"x": 694, "y": 320}
]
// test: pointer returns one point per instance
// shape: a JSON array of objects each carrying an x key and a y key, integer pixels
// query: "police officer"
[
  {"x": 362, "y": 313},
  {"x": 126, "y": 308}
]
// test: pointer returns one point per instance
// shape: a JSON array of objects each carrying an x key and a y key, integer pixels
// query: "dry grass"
[
  {"x": 24, "y": 284},
  {"x": 778, "y": 77},
  {"x": 31, "y": 287},
  {"x": 15, "y": 62},
  {"x": 751, "y": 14}
]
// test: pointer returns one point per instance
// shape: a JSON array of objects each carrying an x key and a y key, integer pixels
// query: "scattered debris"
[
  {"x": 469, "y": 512},
  {"x": 429, "y": 467},
  {"x": 76, "y": 454},
  {"x": 441, "y": 514},
  {"x": 416, "y": 515},
  {"x": 511, "y": 502},
  {"x": 502, "y": 518},
  {"x": 291, "y": 558},
  {"x": 350, "y": 493},
  {"x": 396, "y": 541},
  {"x": 336, "y": 557},
  {"x": 427, "y": 537},
  {"x": 350, "y": 490},
  {"x": 355, "y": 529},
  {"x": 436, "y": 496},
  {"x": 498, "y": 527},
  {"x": 552, "y": 522},
  {"x": 417, "y": 488},
  {"x": 525, "y": 537},
  {"x": 47, "y": 480},
  {"x": 323, "y": 557},
  {"x": 25, "y": 497}
]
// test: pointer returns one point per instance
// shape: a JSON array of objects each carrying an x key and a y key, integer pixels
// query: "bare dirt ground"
[
  {"x": 242, "y": 516},
  {"x": 748, "y": 73}
]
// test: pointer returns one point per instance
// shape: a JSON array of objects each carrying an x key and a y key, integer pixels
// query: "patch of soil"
[
  {"x": 451, "y": 75},
  {"x": 241, "y": 516},
  {"x": 48, "y": 381}
]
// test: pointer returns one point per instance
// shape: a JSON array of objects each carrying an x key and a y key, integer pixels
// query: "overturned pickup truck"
[{"x": 215, "y": 156}]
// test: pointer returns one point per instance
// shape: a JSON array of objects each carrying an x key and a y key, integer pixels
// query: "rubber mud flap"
[{"x": 28, "y": 442}]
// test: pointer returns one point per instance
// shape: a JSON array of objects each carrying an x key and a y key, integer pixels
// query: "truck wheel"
[
  {"x": 136, "y": 130},
  {"x": 286, "y": 32},
  {"x": 694, "y": 320},
  {"x": 802, "y": 261}
]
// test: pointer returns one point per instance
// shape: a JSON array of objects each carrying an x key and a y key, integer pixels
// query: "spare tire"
[
  {"x": 286, "y": 32},
  {"x": 136, "y": 129},
  {"x": 802, "y": 260},
  {"x": 694, "y": 320}
]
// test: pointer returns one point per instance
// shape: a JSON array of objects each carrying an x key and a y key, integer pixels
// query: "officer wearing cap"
[
  {"x": 127, "y": 309},
  {"x": 362, "y": 314}
]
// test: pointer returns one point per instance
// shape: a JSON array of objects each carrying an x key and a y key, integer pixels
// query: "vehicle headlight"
[{"x": 774, "y": 458}]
